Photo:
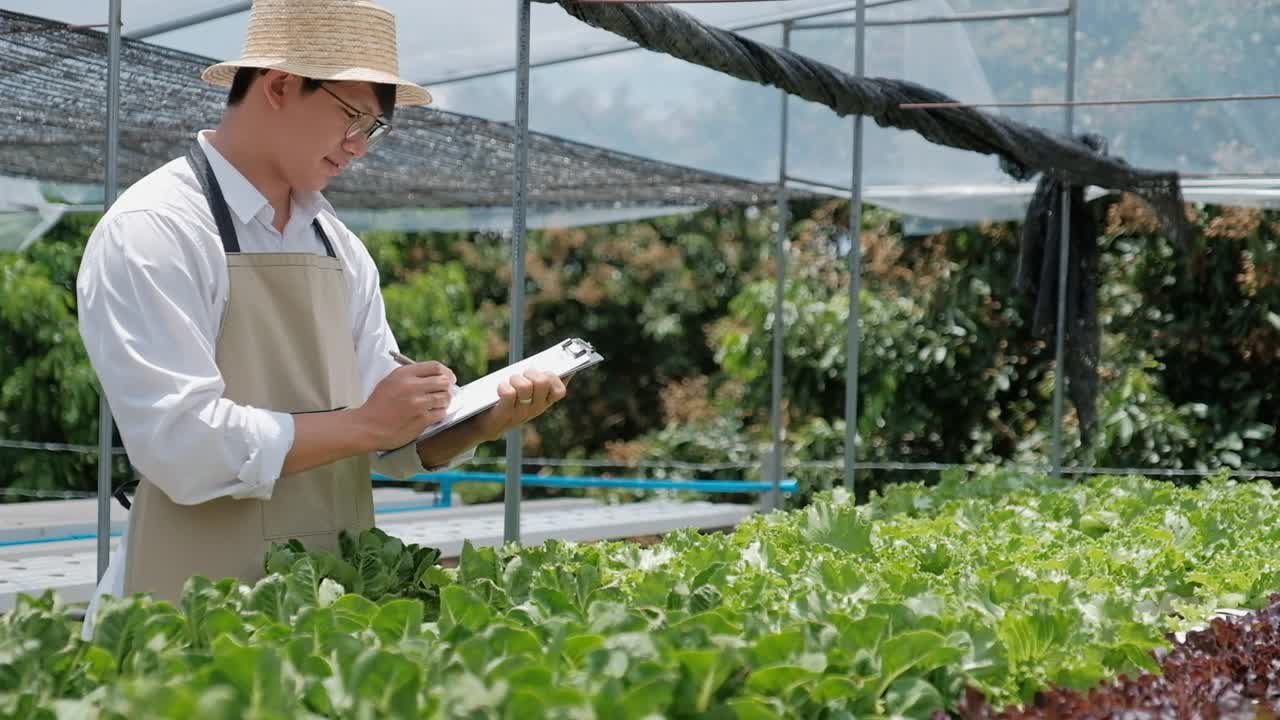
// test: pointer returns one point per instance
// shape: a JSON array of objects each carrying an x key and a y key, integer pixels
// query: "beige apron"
[{"x": 285, "y": 345}]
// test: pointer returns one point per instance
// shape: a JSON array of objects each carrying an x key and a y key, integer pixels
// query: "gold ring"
[{"x": 524, "y": 401}]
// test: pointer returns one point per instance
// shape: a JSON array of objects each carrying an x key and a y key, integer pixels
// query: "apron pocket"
[{"x": 305, "y": 503}]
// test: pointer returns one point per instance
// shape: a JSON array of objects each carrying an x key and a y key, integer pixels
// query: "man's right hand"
[{"x": 406, "y": 402}]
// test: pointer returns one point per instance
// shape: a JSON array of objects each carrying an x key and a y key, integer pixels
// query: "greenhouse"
[{"x": 962, "y": 411}]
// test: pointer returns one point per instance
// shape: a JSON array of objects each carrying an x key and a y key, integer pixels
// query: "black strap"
[
  {"x": 213, "y": 193},
  {"x": 328, "y": 247},
  {"x": 218, "y": 204},
  {"x": 120, "y": 495}
]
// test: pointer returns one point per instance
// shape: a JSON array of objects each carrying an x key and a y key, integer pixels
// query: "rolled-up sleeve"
[{"x": 149, "y": 324}]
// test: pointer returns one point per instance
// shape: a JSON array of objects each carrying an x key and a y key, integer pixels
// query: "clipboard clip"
[{"x": 577, "y": 347}]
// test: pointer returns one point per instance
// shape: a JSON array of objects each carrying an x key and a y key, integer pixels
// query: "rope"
[{"x": 1024, "y": 149}]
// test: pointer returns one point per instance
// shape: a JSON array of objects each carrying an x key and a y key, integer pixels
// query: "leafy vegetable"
[
  {"x": 1227, "y": 670},
  {"x": 997, "y": 586}
]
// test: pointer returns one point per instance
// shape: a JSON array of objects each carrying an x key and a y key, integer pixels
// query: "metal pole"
[
  {"x": 1105, "y": 102},
  {"x": 519, "y": 206},
  {"x": 1064, "y": 256},
  {"x": 764, "y": 22},
  {"x": 105, "y": 424},
  {"x": 855, "y": 271},
  {"x": 188, "y": 20},
  {"x": 941, "y": 19},
  {"x": 780, "y": 283}
]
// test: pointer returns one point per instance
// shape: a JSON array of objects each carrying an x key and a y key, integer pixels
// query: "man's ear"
[{"x": 277, "y": 86}]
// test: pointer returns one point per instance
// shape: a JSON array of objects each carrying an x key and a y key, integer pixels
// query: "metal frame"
[
  {"x": 520, "y": 201},
  {"x": 189, "y": 20},
  {"x": 519, "y": 206},
  {"x": 245, "y": 5},
  {"x": 855, "y": 273},
  {"x": 941, "y": 19},
  {"x": 1064, "y": 255},
  {"x": 774, "y": 472},
  {"x": 105, "y": 423},
  {"x": 860, "y": 24},
  {"x": 514, "y": 455},
  {"x": 780, "y": 18},
  {"x": 1184, "y": 100}
]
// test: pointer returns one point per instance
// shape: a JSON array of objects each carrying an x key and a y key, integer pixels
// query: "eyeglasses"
[{"x": 363, "y": 123}]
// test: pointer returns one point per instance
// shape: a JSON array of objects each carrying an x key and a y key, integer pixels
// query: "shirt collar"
[
  {"x": 241, "y": 196},
  {"x": 246, "y": 201},
  {"x": 307, "y": 205}
]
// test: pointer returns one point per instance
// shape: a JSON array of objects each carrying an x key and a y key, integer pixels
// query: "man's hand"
[
  {"x": 406, "y": 402},
  {"x": 521, "y": 399}
]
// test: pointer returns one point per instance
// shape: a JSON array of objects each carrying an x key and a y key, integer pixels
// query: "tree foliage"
[{"x": 682, "y": 308}]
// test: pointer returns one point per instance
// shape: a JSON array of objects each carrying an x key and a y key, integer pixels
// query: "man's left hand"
[{"x": 520, "y": 399}]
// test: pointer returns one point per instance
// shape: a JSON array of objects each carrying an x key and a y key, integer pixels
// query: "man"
[{"x": 237, "y": 325}]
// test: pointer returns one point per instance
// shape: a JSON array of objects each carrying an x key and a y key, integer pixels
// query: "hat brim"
[{"x": 407, "y": 93}]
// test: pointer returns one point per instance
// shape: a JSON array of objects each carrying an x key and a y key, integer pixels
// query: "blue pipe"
[
  {"x": 92, "y": 536},
  {"x": 54, "y": 539},
  {"x": 448, "y": 477}
]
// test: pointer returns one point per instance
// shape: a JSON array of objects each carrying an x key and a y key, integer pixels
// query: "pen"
[{"x": 404, "y": 360}]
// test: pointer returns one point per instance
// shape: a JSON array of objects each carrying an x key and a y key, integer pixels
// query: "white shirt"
[{"x": 152, "y": 286}]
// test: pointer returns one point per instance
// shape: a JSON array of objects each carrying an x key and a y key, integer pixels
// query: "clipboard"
[{"x": 564, "y": 358}]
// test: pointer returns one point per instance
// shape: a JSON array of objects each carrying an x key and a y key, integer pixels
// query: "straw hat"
[{"x": 324, "y": 40}]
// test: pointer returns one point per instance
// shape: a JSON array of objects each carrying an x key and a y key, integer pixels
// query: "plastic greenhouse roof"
[
  {"x": 656, "y": 107},
  {"x": 55, "y": 101}
]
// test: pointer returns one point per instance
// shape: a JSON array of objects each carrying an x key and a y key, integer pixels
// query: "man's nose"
[{"x": 358, "y": 145}]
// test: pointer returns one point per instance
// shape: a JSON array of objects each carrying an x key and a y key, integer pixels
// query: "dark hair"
[{"x": 385, "y": 93}]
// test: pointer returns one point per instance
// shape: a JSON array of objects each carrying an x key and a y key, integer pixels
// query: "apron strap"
[
  {"x": 213, "y": 193},
  {"x": 120, "y": 495},
  {"x": 218, "y": 204},
  {"x": 328, "y": 246}
]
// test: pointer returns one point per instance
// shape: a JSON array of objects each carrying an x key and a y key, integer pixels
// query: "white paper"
[{"x": 563, "y": 358}]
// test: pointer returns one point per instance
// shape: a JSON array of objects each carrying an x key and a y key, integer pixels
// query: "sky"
[{"x": 658, "y": 107}]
